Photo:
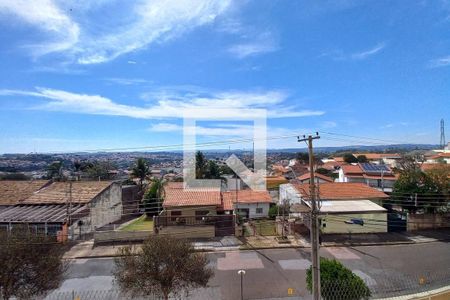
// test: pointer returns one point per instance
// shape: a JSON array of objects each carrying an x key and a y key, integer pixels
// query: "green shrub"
[{"x": 338, "y": 282}]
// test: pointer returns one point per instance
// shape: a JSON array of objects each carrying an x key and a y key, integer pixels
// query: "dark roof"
[{"x": 50, "y": 213}]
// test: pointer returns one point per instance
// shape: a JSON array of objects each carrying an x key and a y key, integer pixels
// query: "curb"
[{"x": 325, "y": 245}]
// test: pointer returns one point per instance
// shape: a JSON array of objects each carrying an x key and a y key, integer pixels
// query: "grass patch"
[
  {"x": 140, "y": 224},
  {"x": 265, "y": 227}
]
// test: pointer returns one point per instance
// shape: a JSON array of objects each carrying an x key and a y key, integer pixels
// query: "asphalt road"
[{"x": 280, "y": 273}]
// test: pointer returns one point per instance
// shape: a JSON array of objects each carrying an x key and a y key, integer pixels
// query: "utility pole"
[
  {"x": 442, "y": 141},
  {"x": 314, "y": 229}
]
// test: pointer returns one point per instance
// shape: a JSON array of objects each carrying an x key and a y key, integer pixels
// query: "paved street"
[{"x": 272, "y": 273}]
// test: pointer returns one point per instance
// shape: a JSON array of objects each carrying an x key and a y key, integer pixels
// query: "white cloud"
[
  {"x": 127, "y": 81},
  {"x": 230, "y": 130},
  {"x": 222, "y": 105},
  {"x": 329, "y": 124},
  {"x": 252, "y": 48},
  {"x": 440, "y": 62},
  {"x": 367, "y": 53},
  {"x": 46, "y": 15},
  {"x": 137, "y": 25},
  {"x": 339, "y": 55},
  {"x": 264, "y": 43}
]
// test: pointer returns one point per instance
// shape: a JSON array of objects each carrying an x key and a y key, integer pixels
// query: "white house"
[
  {"x": 376, "y": 176},
  {"x": 248, "y": 203},
  {"x": 343, "y": 207}
]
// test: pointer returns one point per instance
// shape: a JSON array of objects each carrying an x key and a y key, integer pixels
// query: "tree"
[
  {"x": 30, "y": 264},
  {"x": 153, "y": 196},
  {"x": 140, "y": 170},
  {"x": 349, "y": 158},
  {"x": 200, "y": 165},
  {"x": 212, "y": 170},
  {"x": 338, "y": 282},
  {"x": 14, "y": 176},
  {"x": 273, "y": 211},
  {"x": 163, "y": 266},
  {"x": 54, "y": 170},
  {"x": 362, "y": 158},
  {"x": 100, "y": 170},
  {"x": 416, "y": 189}
]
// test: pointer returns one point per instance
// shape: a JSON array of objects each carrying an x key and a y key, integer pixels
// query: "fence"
[
  {"x": 223, "y": 224},
  {"x": 120, "y": 236}
]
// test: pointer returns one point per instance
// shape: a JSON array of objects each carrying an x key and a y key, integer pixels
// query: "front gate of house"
[{"x": 224, "y": 225}]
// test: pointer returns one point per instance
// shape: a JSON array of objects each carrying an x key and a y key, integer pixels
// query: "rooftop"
[
  {"x": 351, "y": 206},
  {"x": 15, "y": 191},
  {"x": 176, "y": 195},
  {"x": 50, "y": 213},
  {"x": 60, "y": 193},
  {"x": 318, "y": 175},
  {"x": 342, "y": 191},
  {"x": 245, "y": 196}
]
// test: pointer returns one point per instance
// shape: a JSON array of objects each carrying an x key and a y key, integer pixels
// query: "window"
[
  {"x": 259, "y": 210},
  {"x": 175, "y": 214},
  {"x": 199, "y": 214}
]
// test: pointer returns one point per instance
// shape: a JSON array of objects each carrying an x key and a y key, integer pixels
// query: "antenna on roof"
[{"x": 442, "y": 141}]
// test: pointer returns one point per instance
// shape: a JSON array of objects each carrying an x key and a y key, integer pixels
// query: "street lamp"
[{"x": 242, "y": 273}]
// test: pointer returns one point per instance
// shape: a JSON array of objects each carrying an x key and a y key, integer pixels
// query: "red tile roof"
[
  {"x": 440, "y": 155},
  {"x": 14, "y": 191},
  {"x": 59, "y": 192},
  {"x": 352, "y": 170},
  {"x": 432, "y": 166},
  {"x": 244, "y": 196},
  {"x": 342, "y": 191},
  {"x": 176, "y": 195},
  {"x": 321, "y": 176}
]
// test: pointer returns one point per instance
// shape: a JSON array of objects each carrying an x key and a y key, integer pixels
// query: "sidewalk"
[
  {"x": 389, "y": 238},
  {"x": 87, "y": 250}
]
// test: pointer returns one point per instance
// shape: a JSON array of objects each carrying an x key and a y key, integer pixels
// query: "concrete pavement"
[{"x": 281, "y": 273}]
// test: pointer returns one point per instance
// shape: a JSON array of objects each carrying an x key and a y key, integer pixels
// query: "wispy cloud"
[
  {"x": 230, "y": 130},
  {"x": 263, "y": 43},
  {"x": 369, "y": 52},
  {"x": 329, "y": 124},
  {"x": 147, "y": 22},
  {"x": 63, "y": 32},
  {"x": 340, "y": 55},
  {"x": 127, "y": 81},
  {"x": 222, "y": 105},
  {"x": 392, "y": 125},
  {"x": 440, "y": 62}
]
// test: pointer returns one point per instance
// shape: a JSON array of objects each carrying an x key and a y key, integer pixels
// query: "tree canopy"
[
  {"x": 338, "y": 282},
  {"x": 140, "y": 169},
  {"x": 163, "y": 267},
  {"x": 416, "y": 189},
  {"x": 350, "y": 158},
  {"x": 30, "y": 264}
]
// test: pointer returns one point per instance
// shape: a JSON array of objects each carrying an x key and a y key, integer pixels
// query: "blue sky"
[{"x": 78, "y": 75}]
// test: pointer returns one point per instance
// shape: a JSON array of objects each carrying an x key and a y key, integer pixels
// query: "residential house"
[
  {"x": 74, "y": 208},
  {"x": 343, "y": 207},
  {"x": 376, "y": 176},
  {"x": 210, "y": 207},
  {"x": 14, "y": 191},
  {"x": 247, "y": 203},
  {"x": 441, "y": 157},
  {"x": 390, "y": 159},
  {"x": 319, "y": 178}
]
